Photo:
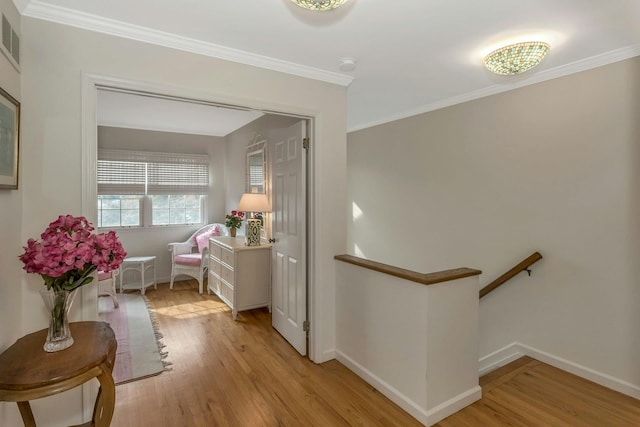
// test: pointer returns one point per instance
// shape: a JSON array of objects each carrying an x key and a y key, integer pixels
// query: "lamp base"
[{"x": 252, "y": 232}]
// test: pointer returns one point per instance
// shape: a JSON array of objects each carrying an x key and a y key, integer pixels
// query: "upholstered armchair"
[{"x": 189, "y": 258}]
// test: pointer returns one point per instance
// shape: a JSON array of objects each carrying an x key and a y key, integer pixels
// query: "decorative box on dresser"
[{"x": 240, "y": 275}]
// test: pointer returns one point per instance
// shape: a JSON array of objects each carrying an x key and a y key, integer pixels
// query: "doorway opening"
[{"x": 285, "y": 149}]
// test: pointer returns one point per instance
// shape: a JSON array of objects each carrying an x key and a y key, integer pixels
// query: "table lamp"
[{"x": 253, "y": 202}]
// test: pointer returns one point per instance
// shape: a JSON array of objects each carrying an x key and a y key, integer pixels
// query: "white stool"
[{"x": 140, "y": 264}]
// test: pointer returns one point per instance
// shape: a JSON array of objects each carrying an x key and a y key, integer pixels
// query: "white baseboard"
[
  {"x": 499, "y": 358},
  {"x": 487, "y": 364},
  {"x": 322, "y": 356},
  {"x": 415, "y": 410},
  {"x": 515, "y": 350},
  {"x": 453, "y": 405},
  {"x": 426, "y": 417},
  {"x": 328, "y": 355}
]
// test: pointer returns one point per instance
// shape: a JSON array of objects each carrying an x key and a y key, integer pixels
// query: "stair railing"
[{"x": 521, "y": 266}]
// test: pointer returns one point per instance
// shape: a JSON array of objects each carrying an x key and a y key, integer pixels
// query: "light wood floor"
[
  {"x": 243, "y": 373},
  {"x": 531, "y": 393}
]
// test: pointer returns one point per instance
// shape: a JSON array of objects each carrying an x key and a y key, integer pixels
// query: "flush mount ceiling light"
[
  {"x": 319, "y": 4},
  {"x": 516, "y": 58}
]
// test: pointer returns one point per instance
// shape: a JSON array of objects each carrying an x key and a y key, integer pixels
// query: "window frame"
[
  {"x": 141, "y": 206},
  {"x": 202, "y": 210},
  {"x": 153, "y": 182}
]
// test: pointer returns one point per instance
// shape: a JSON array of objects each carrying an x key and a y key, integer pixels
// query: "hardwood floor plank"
[
  {"x": 531, "y": 393},
  {"x": 242, "y": 373},
  {"x": 505, "y": 373},
  {"x": 581, "y": 399}
]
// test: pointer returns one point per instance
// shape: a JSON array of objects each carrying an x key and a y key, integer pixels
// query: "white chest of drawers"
[{"x": 240, "y": 275}]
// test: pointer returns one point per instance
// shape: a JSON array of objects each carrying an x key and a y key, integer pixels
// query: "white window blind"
[
  {"x": 120, "y": 177},
  {"x": 140, "y": 172}
]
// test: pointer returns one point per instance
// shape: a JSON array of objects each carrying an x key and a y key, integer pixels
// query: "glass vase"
[
  {"x": 232, "y": 232},
  {"x": 58, "y": 304}
]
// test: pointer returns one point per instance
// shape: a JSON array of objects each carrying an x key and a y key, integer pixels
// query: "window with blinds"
[{"x": 174, "y": 185}]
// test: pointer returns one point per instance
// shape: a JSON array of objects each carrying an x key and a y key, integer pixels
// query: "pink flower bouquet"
[{"x": 70, "y": 252}]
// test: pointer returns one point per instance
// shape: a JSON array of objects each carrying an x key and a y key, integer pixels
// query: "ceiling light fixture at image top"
[
  {"x": 319, "y": 4},
  {"x": 516, "y": 58}
]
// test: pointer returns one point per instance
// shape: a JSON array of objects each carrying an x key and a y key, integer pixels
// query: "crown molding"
[
  {"x": 65, "y": 16},
  {"x": 561, "y": 71},
  {"x": 21, "y": 5}
]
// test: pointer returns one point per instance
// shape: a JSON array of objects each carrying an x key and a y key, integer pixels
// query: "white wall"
[
  {"x": 153, "y": 241},
  {"x": 10, "y": 225},
  {"x": 552, "y": 167},
  {"x": 235, "y": 170},
  {"x": 237, "y": 143},
  {"x": 416, "y": 344},
  {"x": 54, "y": 60}
]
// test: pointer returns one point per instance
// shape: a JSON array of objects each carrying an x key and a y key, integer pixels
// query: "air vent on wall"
[
  {"x": 10, "y": 43},
  {"x": 6, "y": 33}
]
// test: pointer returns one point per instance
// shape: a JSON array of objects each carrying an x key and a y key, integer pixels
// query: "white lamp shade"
[{"x": 250, "y": 202}]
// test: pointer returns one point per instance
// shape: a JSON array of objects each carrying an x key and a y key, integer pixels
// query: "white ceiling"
[
  {"x": 126, "y": 110},
  {"x": 412, "y": 55}
]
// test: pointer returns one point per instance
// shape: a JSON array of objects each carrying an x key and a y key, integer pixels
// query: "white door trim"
[{"x": 90, "y": 85}]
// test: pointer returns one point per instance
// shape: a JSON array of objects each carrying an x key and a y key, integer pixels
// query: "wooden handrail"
[
  {"x": 522, "y": 266},
  {"x": 422, "y": 278}
]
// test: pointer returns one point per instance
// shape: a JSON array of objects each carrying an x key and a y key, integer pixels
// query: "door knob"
[{"x": 272, "y": 240}]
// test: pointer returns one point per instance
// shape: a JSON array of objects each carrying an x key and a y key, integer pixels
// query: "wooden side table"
[{"x": 28, "y": 372}]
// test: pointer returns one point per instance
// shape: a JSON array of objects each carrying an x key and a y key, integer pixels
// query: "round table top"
[
  {"x": 139, "y": 259},
  {"x": 25, "y": 365}
]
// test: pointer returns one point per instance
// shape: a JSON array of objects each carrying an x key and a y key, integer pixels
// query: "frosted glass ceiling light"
[
  {"x": 516, "y": 58},
  {"x": 319, "y": 4}
]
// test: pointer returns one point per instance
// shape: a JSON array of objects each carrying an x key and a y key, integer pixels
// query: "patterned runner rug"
[{"x": 139, "y": 353}]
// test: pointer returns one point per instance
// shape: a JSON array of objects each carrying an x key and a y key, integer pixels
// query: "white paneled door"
[{"x": 289, "y": 292}]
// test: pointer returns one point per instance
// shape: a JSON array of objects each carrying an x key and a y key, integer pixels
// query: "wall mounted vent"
[
  {"x": 10, "y": 43},
  {"x": 6, "y": 33}
]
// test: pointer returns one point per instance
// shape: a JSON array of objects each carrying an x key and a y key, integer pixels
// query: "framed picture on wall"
[{"x": 9, "y": 140}]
